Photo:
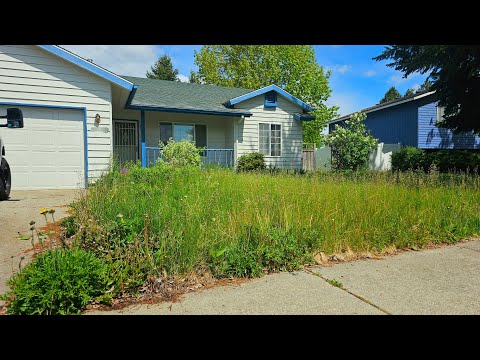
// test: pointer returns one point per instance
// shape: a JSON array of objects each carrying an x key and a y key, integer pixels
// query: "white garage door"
[{"x": 48, "y": 153}]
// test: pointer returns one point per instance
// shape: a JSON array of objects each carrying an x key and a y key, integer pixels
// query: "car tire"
[{"x": 5, "y": 180}]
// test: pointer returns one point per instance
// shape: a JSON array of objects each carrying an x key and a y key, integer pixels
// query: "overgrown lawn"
[{"x": 167, "y": 221}]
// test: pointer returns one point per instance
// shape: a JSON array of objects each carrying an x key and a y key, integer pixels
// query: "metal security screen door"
[{"x": 125, "y": 141}]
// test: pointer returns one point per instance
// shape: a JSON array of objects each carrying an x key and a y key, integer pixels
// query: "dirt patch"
[
  {"x": 157, "y": 290},
  {"x": 348, "y": 255}
]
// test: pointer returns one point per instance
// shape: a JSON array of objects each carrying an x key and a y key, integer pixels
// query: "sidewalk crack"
[{"x": 349, "y": 292}]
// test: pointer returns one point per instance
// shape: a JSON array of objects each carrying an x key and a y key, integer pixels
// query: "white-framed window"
[
  {"x": 440, "y": 112},
  {"x": 270, "y": 139},
  {"x": 195, "y": 133}
]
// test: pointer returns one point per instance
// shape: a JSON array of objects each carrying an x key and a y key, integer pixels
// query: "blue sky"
[{"x": 357, "y": 81}]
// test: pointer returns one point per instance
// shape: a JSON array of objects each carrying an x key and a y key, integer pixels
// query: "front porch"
[{"x": 138, "y": 136}]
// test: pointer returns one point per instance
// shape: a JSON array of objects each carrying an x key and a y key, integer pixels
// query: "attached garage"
[
  {"x": 67, "y": 109},
  {"x": 49, "y": 152}
]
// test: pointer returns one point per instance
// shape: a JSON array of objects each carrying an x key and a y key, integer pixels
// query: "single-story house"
[
  {"x": 410, "y": 121},
  {"x": 78, "y": 116}
]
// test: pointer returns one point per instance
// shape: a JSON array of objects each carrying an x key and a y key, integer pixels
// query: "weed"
[
  {"x": 335, "y": 283},
  {"x": 58, "y": 281}
]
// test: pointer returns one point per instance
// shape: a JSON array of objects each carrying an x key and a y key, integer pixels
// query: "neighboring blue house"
[{"x": 411, "y": 122}]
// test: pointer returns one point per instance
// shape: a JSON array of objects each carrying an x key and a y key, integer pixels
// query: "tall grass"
[{"x": 174, "y": 219}]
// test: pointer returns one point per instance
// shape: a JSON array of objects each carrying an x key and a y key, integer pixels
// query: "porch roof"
[{"x": 163, "y": 95}]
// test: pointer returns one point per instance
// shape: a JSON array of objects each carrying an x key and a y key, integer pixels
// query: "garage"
[{"x": 49, "y": 152}]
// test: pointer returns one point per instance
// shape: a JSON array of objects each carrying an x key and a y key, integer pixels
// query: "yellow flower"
[
  {"x": 43, "y": 211},
  {"x": 51, "y": 210}
]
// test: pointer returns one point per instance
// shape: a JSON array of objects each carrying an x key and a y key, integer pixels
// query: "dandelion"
[
  {"x": 43, "y": 211},
  {"x": 51, "y": 211}
]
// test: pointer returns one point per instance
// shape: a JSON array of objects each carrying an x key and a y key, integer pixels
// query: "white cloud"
[
  {"x": 343, "y": 69},
  {"x": 398, "y": 79},
  {"x": 370, "y": 73},
  {"x": 183, "y": 78},
  {"x": 415, "y": 87},
  {"x": 133, "y": 60}
]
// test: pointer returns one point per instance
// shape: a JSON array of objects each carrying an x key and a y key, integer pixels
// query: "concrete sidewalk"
[{"x": 439, "y": 281}]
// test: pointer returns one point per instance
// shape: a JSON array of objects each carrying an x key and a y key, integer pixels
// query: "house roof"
[
  {"x": 87, "y": 65},
  {"x": 153, "y": 94},
  {"x": 387, "y": 104},
  {"x": 266, "y": 89}
]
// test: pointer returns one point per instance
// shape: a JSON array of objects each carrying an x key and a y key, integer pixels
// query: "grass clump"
[
  {"x": 335, "y": 282},
  {"x": 60, "y": 281}
]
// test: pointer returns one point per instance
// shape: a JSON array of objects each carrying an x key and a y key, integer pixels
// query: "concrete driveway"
[{"x": 15, "y": 216}]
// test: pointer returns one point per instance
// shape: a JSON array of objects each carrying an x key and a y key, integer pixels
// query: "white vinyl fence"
[{"x": 380, "y": 159}]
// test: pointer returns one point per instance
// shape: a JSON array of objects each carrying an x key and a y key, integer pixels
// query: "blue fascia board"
[
  {"x": 130, "y": 96},
  {"x": 266, "y": 89},
  {"x": 191, "y": 111},
  {"x": 85, "y": 135},
  {"x": 87, "y": 65},
  {"x": 303, "y": 117}
]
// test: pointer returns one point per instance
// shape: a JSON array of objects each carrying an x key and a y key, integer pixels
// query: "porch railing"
[{"x": 222, "y": 157}]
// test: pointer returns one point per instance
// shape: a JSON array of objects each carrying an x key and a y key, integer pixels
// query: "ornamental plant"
[
  {"x": 180, "y": 153},
  {"x": 351, "y": 143}
]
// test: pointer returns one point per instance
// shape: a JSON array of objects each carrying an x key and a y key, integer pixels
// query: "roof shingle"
[{"x": 186, "y": 96}]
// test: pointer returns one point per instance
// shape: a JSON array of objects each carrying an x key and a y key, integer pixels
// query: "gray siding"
[
  {"x": 31, "y": 75},
  {"x": 292, "y": 140}
]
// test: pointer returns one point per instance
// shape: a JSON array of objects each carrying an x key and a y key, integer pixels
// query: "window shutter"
[
  {"x": 200, "y": 136},
  {"x": 270, "y": 99}
]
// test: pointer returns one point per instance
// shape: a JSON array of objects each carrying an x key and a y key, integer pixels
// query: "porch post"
[
  {"x": 142, "y": 131},
  {"x": 234, "y": 121}
]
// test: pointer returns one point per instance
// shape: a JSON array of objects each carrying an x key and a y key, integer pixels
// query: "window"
[
  {"x": 440, "y": 112},
  {"x": 270, "y": 139},
  {"x": 270, "y": 99},
  {"x": 183, "y": 132},
  {"x": 194, "y": 133},
  {"x": 166, "y": 132}
]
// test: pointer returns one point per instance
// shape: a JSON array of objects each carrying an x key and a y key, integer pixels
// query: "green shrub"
[
  {"x": 180, "y": 153},
  {"x": 410, "y": 158},
  {"x": 447, "y": 160},
  {"x": 283, "y": 253},
  {"x": 251, "y": 162},
  {"x": 57, "y": 282},
  {"x": 351, "y": 144},
  {"x": 455, "y": 160}
]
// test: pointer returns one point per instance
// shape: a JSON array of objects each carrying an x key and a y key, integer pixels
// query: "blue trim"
[
  {"x": 131, "y": 95},
  {"x": 264, "y": 90},
  {"x": 193, "y": 111},
  {"x": 85, "y": 137},
  {"x": 87, "y": 65},
  {"x": 270, "y": 99},
  {"x": 303, "y": 117},
  {"x": 144, "y": 147}
]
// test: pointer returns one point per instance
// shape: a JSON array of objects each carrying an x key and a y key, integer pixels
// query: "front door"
[{"x": 125, "y": 140}]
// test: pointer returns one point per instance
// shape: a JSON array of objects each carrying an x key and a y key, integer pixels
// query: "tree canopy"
[
  {"x": 163, "y": 69},
  {"x": 409, "y": 92},
  {"x": 454, "y": 71},
  {"x": 291, "y": 67},
  {"x": 391, "y": 94}
]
